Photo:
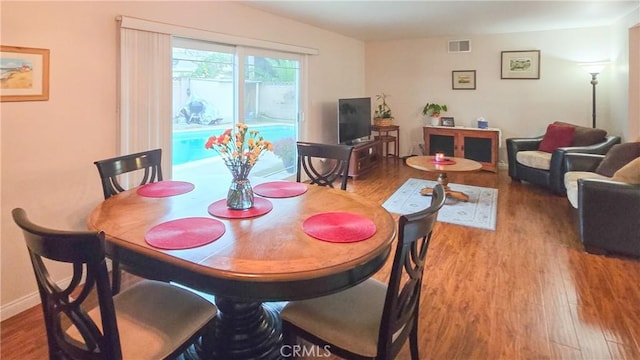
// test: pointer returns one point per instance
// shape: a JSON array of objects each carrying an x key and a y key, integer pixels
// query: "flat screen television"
[{"x": 354, "y": 120}]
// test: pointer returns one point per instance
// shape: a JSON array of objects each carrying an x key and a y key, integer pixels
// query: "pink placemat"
[
  {"x": 165, "y": 188},
  {"x": 184, "y": 233},
  {"x": 260, "y": 207},
  {"x": 340, "y": 227},
  {"x": 443, "y": 162},
  {"x": 280, "y": 189}
]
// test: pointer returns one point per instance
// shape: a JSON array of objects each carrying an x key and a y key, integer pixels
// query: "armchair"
[
  {"x": 547, "y": 169},
  {"x": 607, "y": 211}
]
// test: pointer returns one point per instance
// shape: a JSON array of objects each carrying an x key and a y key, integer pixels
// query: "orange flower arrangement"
[{"x": 240, "y": 150}]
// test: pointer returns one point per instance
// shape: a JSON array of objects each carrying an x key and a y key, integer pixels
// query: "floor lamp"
[{"x": 594, "y": 69}]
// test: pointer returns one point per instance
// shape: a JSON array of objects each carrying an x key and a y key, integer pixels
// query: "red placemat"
[
  {"x": 339, "y": 227},
  {"x": 260, "y": 207},
  {"x": 165, "y": 188},
  {"x": 443, "y": 162},
  {"x": 184, "y": 233},
  {"x": 280, "y": 189}
]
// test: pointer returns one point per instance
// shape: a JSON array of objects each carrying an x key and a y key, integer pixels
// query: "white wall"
[
  {"x": 48, "y": 147},
  {"x": 634, "y": 84},
  {"x": 629, "y": 28},
  {"x": 418, "y": 71},
  {"x": 624, "y": 97}
]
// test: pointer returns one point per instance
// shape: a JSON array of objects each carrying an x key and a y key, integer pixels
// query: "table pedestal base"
[
  {"x": 244, "y": 330},
  {"x": 444, "y": 181}
]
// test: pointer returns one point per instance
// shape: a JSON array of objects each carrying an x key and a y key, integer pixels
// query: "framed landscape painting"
[
  {"x": 521, "y": 64},
  {"x": 25, "y": 74},
  {"x": 463, "y": 80}
]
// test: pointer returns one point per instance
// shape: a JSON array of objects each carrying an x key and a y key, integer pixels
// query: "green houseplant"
[
  {"x": 433, "y": 110},
  {"x": 382, "y": 115}
]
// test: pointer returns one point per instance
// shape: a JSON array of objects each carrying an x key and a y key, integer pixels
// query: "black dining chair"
[
  {"x": 148, "y": 163},
  {"x": 372, "y": 320},
  {"x": 150, "y": 320},
  {"x": 324, "y": 173}
]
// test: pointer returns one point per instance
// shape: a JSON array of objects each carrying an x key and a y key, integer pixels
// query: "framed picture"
[
  {"x": 463, "y": 79},
  {"x": 447, "y": 121},
  {"x": 25, "y": 74},
  {"x": 520, "y": 64}
]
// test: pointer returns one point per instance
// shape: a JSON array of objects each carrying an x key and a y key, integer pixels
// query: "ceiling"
[{"x": 390, "y": 20}]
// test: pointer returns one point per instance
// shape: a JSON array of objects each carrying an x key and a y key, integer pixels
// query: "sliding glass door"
[
  {"x": 272, "y": 104},
  {"x": 216, "y": 86}
]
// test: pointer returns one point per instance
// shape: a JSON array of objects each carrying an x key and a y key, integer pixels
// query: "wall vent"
[{"x": 456, "y": 46}]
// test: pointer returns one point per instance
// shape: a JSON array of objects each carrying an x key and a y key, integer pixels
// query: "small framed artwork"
[
  {"x": 521, "y": 64},
  {"x": 463, "y": 79},
  {"x": 447, "y": 121},
  {"x": 25, "y": 74}
]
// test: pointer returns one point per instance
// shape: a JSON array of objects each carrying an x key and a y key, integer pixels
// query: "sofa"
[
  {"x": 540, "y": 160},
  {"x": 605, "y": 193}
]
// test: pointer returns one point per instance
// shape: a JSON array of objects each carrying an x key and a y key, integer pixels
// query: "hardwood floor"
[{"x": 525, "y": 291}]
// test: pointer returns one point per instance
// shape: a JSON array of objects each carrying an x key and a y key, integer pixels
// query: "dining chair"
[
  {"x": 372, "y": 320},
  {"x": 110, "y": 169},
  {"x": 324, "y": 173},
  {"x": 150, "y": 320},
  {"x": 146, "y": 162}
]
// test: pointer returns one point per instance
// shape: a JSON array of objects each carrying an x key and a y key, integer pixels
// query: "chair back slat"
[
  {"x": 84, "y": 252},
  {"x": 400, "y": 315},
  {"x": 324, "y": 173},
  {"x": 147, "y": 161}
]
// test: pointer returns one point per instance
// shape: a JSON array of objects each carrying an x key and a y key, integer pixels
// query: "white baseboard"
[{"x": 17, "y": 306}]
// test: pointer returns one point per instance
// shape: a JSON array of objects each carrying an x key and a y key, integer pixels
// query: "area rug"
[{"x": 479, "y": 211}]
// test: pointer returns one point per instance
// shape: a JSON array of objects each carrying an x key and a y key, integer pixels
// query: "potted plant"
[
  {"x": 285, "y": 149},
  {"x": 433, "y": 110},
  {"x": 382, "y": 115}
]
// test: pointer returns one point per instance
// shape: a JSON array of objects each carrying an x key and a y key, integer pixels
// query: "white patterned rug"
[{"x": 479, "y": 211}]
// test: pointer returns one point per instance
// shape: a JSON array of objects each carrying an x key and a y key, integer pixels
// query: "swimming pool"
[{"x": 189, "y": 145}]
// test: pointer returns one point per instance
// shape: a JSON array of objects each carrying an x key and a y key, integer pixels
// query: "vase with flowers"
[{"x": 240, "y": 150}]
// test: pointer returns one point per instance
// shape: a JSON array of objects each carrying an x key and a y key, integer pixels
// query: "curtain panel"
[{"x": 145, "y": 114}]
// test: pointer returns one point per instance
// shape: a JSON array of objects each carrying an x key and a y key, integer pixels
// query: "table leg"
[
  {"x": 244, "y": 330},
  {"x": 396, "y": 144},
  {"x": 444, "y": 181}
]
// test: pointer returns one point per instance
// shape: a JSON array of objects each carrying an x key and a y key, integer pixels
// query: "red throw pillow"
[
  {"x": 585, "y": 136},
  {"x": 556, "y": 136}
]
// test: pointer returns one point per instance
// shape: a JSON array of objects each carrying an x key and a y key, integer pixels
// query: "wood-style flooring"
[{"x": 525, "y": 291}]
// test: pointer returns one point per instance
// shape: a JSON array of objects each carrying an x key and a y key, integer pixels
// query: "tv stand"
[{"x": 365, "y": 157}]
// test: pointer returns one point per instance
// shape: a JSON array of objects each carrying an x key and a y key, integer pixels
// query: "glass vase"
[{"x": 240, "y": 195}]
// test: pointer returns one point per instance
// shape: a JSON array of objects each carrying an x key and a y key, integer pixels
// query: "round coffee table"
[{"x": 427, "y": 163}]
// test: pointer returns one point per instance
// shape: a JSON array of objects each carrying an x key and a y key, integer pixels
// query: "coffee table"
[{"x": 427, "y": 163}]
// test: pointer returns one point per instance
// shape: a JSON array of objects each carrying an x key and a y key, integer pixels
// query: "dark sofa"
[
  {"x": 553, "y": 178},
  {"x": 608, "y": 212}
]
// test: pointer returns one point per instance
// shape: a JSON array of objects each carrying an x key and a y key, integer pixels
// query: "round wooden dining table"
[{"x": 257, "y": 259}]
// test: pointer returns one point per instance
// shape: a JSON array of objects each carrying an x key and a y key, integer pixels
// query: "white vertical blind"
[{"x": 145, "y": 93}]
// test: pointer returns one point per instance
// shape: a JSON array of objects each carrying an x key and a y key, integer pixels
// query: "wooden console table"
[
  {"x": 364, "y": 158},
  {"x": 383, "y": 135},
  {"x": 480, "y": 145}
]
